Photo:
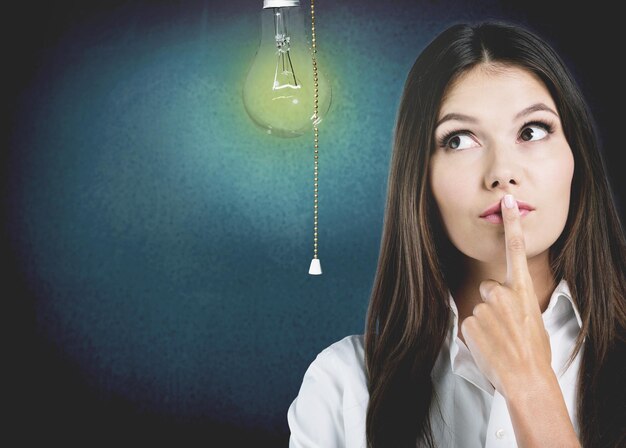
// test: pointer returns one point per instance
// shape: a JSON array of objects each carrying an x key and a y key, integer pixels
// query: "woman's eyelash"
[
  {"x": 547, "y": 126},
  {"x": 444, "y": 140}
]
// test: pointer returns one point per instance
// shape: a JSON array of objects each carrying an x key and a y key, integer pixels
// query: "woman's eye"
[
  {"x": 534, "y": 132},
  {"x": 460, "y": 141}
]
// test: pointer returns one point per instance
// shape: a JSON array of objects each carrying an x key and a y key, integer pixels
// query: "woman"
[{"x": 498, "y": 312}]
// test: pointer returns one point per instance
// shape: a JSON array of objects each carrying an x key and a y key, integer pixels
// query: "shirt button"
[{"x": 500, "y": 433}]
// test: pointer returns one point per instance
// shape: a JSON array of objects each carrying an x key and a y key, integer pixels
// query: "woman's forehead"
[{"x": 494, "y": 89}]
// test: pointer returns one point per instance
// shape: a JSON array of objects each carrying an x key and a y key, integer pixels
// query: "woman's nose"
[
  {"x": 502, "y": 171},
  {"x": 501, "y": 181}
]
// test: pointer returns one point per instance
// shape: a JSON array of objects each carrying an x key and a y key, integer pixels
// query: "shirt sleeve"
[{"x": 315, "y": 417}]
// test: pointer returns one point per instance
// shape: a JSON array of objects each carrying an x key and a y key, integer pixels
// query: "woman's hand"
[
  {"x": 511, "y": 346},
  {"x": 506, "y": 334}
]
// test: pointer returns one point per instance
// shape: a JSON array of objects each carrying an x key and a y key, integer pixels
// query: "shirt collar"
[{"x": 561, "y": 291}]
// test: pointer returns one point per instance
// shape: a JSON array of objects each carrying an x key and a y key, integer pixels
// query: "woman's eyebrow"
[
  {"x": 455, "y": 116},
  {"x": 534, "y": 108},
  {"x": 526, "y": 111}
]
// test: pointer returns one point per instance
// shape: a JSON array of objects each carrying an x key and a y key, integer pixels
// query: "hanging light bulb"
[
  {"x": 284, "y": 84},
  {"x": 278, "y": 93}
]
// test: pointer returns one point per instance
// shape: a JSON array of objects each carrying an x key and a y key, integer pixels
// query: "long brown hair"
[{"x": 408, "y": 314}]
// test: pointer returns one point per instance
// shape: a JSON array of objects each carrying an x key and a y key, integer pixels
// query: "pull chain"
[{"x": 315, "y": 268}]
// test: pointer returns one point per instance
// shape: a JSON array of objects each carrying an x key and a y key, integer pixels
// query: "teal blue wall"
[{"x": 163, "y": 242}]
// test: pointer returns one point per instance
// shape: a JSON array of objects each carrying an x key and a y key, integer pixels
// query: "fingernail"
[{"x": 509, "y": 201}]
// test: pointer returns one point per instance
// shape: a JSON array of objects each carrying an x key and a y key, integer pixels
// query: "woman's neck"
[{"x": 467, "y": 295}]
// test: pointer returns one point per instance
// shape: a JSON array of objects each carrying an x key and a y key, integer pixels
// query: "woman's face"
[{"x": 498, "y": 132}]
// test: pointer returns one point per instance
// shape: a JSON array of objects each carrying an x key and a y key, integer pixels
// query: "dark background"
[{"x": 56, "y": 392}]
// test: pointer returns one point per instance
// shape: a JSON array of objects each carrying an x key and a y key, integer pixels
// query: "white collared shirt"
[{"x": 331, "y": 406}]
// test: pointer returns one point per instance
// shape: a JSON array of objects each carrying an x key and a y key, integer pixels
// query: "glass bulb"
[{"x": 279, "y": 88}]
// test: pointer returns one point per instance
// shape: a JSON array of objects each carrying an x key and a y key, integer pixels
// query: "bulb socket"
[{"x": 280, "y": 3}]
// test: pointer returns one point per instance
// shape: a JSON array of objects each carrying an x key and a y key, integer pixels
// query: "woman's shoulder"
[
  {"x": 347, "y": 352},
  {"x": 340, "y": 366}
]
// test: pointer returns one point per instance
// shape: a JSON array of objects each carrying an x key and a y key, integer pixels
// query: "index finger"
[{"x": 517, "y": 274}]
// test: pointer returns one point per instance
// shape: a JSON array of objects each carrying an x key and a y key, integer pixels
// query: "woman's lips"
[
  {"x": 496, "y": 218},
  {"x": 493, "y": 213},
  {"x": 495, "y": 208}
]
